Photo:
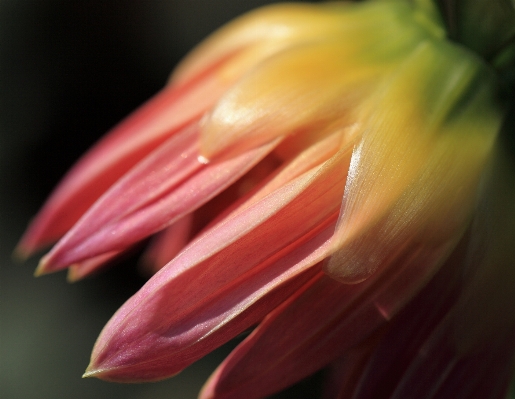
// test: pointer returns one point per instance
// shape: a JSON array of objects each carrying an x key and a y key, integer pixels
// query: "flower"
[{"x": 331, "y": 174}]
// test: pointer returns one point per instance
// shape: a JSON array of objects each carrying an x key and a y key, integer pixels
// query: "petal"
[
  {"x": 312, "y": 83},
  {"x": 129, "y": 142},
  {"x": 170, "y": 183},
  {"x": 293, "y": 91},
  {"x": 411, "y": 328},
  {"x": 309, "y": 159},
  {"x": 414, "y": 178},
  {"x": 439, "y": 371},
  {"x": 314, "y": 328},
  {"x": 219, "y": 285},
  {"x": 269, "y": 30}
]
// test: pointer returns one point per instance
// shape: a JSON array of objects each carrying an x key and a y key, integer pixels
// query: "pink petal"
[
  {"x": 305, "y": 334},
  {"x": 225, "y": 281},
  {"x": 129, "y": 142},
  {"x": 308, "y": 159},
  {"x": 170, "y": 183},
  {"x": 168, "y": 349}
]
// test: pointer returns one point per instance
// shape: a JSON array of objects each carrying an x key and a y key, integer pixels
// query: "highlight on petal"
[{"x": 430, "y": 133}]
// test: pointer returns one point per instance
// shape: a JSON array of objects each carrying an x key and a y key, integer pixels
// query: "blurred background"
[{"x": 69, "y": 71}]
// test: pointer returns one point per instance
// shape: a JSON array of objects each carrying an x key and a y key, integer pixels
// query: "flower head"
[{"x": 321, "y": 172}]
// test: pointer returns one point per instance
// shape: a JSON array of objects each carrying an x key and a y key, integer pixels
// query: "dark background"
[{"x": 69, "y": 70}]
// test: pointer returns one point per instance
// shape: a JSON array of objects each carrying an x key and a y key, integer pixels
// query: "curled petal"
[{"x": 414, "y": 176}]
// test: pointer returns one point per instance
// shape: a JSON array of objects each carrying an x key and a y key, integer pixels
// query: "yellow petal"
[
  {"x": 261, "y": 33},
  {"x": 308, "y": 68},
  {"x": 414, "y": 176},
  {"x": 302, "y": 88}
]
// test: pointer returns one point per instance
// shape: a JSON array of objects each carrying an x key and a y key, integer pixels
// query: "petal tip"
[
  {"x": 73, "y": 275},
  {"x": 24, "y": 249},
  {"x": 102, "y": 373},
  {"x": 92, "y": 372},
  {"x": 208, "y": 390},
  {"x": 20, "y": 253},
  {"x": 48, "y": 264},
  {"x": 43, "y": 267}
]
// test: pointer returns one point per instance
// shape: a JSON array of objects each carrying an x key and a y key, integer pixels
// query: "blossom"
[{"x": 330, "y": 174}]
